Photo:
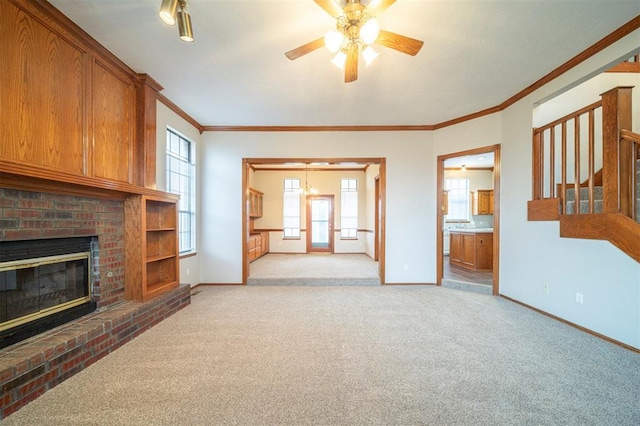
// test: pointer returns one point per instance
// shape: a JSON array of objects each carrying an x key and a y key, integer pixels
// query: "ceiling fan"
[{"x": 356, "y": 30}]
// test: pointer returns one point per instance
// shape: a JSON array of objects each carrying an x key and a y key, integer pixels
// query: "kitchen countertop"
[{"x": 472, "y": 230}]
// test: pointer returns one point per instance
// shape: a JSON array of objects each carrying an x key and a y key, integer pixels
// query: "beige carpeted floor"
[
  {"x": 351, "y": 356},
  {"x": 314, "y": 269}
]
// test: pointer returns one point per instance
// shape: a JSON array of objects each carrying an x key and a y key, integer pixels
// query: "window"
[
  {"x": 291, "y": 208},
  {"x": 348, "y": 208},
  {"x": 181, "y": 180},
  {"x": 458, "y": 199}
]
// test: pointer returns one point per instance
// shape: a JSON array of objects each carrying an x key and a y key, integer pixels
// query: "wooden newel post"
[
  {"x": 537, "y": 183},
  {"x": 616, "y": 162}
]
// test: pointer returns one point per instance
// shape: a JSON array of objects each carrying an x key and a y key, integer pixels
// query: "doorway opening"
[
  {"x": 468, "y": 220},
  {"x": 321, "y": 224}
]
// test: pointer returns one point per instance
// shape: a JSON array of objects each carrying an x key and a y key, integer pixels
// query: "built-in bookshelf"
[{"x": 152, "y": 265}]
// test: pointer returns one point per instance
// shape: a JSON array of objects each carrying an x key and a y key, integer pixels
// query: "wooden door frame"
[
  {"x": 308, "y": 223},
  {"x": 495, "y": 149},
  {"x": 246, "y": 169},
  {"x": 376, "y": 214}
]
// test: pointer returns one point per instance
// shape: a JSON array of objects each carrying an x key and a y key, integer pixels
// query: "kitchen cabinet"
[
  {"x": 258, "y": 245},
  {"x": 471, "y": 249},
  {"x": 482, "y": 201},
  {"x": 255, "y": 203}
]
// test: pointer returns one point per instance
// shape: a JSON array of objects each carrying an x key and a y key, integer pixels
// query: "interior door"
[{"x": 319, "y": 223}]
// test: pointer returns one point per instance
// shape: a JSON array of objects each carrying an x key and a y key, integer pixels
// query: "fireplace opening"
[{"x": 43, "y": 284}]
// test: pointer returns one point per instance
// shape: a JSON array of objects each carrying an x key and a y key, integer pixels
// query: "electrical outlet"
[
  {"x": 546, "y": 288},
  {"x": 188, "y": 271},
  {"x": 579, "y": 298},
  {"x": 406, "y": 267}
]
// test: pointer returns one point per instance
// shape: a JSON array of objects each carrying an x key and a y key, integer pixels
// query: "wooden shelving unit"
[
  {"x": 255, "y": 203},
  {"x": 151, "y": 240}
]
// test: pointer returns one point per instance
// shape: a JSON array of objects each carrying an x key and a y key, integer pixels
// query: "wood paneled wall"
[{"x": 69, "y": 108}]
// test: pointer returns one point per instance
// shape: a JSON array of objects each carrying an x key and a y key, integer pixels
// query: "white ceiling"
[{"x": 477, "y": 54}]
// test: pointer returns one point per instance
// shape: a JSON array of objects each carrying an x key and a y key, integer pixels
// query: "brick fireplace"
[
  {"x": 26, "y": 215},
  {"x": 31, "y": 367}
]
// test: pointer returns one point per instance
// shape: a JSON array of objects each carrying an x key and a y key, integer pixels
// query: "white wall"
[
  {"x": 189, "y": 266},
  {"x": 410, "y": 193},
  {"x": 532, "y": 253}
]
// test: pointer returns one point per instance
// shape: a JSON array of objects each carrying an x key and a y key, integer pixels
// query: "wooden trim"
[
  {"x": 569, "y": 116},
  {"x": 311, "y": 169},
  {"x": 369, "y": 160},
  {"x": 574, "y": 325},
  {"x": 625, "y": 67},
  {"x": 490, "y": 169},
  {"x": 245, "y": 219},
  {"x": 497, "y": 194},
  {"x": 180, "y": 112},
  {"x": 145, "y": 164},
  {"x": 543, "y": 209},
  {"x": 389, "y": 128},
  {"x": 382, "y": 222},
  {"x": 616, "y": 116},
  {"x": 468, "y": 117},
  {"x": 61, "y": 183},
  {"x": 620, "y": 230}
]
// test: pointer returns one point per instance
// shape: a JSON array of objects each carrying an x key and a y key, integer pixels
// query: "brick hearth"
[{"x": 30, "y": 368}]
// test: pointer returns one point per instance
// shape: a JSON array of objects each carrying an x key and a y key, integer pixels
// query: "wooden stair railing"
[
  {"x": 549, "y": 195},
  {"x": 630, "y": 173},
  {"x": 617, "y": 218}
]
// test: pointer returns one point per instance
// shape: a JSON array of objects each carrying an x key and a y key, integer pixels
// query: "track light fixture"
[{"x": 172, "y": 10}]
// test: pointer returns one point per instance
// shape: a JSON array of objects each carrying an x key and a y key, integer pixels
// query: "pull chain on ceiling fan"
[{"x": 356, "y": 30}]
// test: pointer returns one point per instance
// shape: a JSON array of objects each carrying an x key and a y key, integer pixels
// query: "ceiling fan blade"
[
  {"x": 398, "y": 42},
  {"x": 377, "y": 6},
  {"x": 331, "y": 7},
  {"x": 351, "y": 64},
  {"x": 305, "y": 48}
]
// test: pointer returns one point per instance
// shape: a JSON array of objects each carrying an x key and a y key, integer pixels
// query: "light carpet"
[
  {"x": 345, "y": 269},
  {"x": 351, "y": 356}
]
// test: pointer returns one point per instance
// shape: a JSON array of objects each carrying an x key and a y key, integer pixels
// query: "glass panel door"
[{"x": 320, "y": 223}]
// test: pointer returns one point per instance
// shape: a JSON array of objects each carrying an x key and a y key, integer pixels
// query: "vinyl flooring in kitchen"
[{"x": 457, "y": 273}]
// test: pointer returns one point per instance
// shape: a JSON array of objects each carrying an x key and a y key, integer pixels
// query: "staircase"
[
  {"x": 598, "y": 204},
  {"x": 606, "y": 204}
]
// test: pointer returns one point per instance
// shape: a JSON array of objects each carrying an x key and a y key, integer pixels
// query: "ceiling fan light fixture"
[
  {"x": 333, "y": 41},
  {"x": 369, "y": 55},
  {"x": 339, "y": 60},
  {"x": 168, "y": 10},
  {"x": 370, "y": 31},
  {"x": 184, "y": 23}
]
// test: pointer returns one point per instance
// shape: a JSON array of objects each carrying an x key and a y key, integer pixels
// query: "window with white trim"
[
  {"x": 181, "y": 180},
  {"x": 459, "y": 207},
  {"x": 291, "y": 208},
  {"x": 348, "y": 208}
]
